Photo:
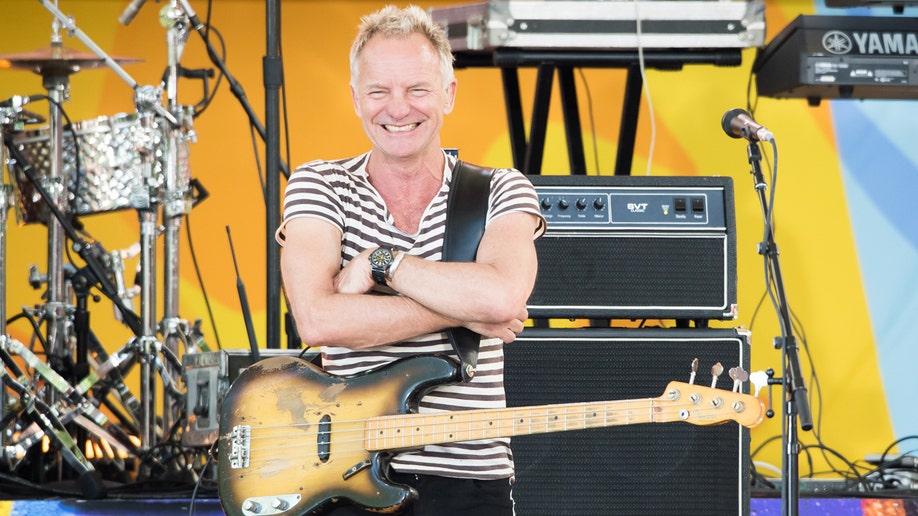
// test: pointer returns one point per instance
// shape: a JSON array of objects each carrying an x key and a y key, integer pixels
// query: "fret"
[{"x": 401, "y": 431}]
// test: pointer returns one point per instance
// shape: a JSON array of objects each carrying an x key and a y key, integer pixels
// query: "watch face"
[{"x": 381, "y": 257}]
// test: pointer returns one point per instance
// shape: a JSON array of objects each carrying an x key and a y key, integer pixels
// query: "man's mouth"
[{"x": 399, "y": 128}]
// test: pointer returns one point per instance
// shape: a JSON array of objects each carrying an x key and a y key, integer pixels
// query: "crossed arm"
[{"x": 334, "y": 306}]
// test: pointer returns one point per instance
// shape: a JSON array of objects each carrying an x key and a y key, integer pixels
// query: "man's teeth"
[{"x": 400, "y": 128}]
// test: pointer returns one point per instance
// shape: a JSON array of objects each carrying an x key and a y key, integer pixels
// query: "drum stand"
[
  {"x": 46, "y": 414},
  {"x": 175, "y": 204},
  {"x": 55, "y": 79},
  {"x": 57, "y": 83},
  {"x": 6, "y": 192}
]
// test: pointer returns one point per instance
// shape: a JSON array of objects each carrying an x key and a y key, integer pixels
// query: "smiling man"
[{"x": 363, "y": 241}]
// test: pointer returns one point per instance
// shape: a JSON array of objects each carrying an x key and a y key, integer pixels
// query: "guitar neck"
[{"x": 416, "y": 430}]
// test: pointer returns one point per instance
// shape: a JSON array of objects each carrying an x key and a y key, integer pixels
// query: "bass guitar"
[{"x": 296, "y": 440}]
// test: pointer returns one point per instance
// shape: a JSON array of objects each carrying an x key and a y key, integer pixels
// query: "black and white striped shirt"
[{"x": 340, "y": 192}]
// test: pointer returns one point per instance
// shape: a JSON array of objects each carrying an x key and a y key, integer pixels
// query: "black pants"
[{"x": 442, "y": 496}]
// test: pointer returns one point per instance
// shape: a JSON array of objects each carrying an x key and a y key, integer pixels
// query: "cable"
[
  {"x": 197, "y": 271},
  {"x": 194, "y": 493},
  {"x": 261, "y": 176},
  {"x": 204, "y": 104},
  {"x": 643, "y": 68},
  {"x": 586, "y": 88}
]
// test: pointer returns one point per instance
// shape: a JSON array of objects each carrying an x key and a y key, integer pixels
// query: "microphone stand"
[
  {"x": 796, "y": 403},
  {"x": 273, "y": 78},
  {"x": 235, "y": 87}
]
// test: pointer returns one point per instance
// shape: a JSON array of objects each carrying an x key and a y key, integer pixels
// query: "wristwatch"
[{"x": 380, "y": 261}]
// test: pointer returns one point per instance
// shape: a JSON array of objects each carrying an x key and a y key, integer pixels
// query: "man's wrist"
[
  {"x": 380, "y": 261},
  {"x": 399, "y": 256}
]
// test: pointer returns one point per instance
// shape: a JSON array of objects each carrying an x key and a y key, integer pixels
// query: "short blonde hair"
[{"x": 392, "y": 22}]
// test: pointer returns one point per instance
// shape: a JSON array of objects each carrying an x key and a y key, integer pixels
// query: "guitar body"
[{"x": 292, "y": 437}]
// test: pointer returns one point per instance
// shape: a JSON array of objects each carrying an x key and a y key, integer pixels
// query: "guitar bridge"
[{"x": 239, "y": 442}]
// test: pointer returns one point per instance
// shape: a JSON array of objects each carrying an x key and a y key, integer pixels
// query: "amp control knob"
[{"x": 564, "y": 204}]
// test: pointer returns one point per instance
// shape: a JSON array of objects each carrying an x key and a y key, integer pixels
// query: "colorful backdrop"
[{"x": 843, "y": 211}]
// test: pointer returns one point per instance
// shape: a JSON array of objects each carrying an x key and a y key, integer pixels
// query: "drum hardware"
[
  {"x": 75, "y": 404},
  {"x": 47, "y": 417},
  {"x": 71, "y": 395},
  {"x": 125, "y": 294},
  {"x": 177, "y": 201},
  {"x": 61, "y": 184},
  {"x": 94, "y": 274},
  {"x": 80, "y": 246},
  {"x": 14, "y": 118},
  {"x": 148, "y": 101},
  {"x": 55, "y": 64}
]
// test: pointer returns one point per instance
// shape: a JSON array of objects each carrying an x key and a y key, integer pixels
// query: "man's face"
[{"x": 400, "y": 96}]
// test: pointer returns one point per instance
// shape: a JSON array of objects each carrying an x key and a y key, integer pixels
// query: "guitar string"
[
  {"x": 441, "y": 428},
  {"x": 483, "y": 411},
  {"x": 470, "y": 412}
]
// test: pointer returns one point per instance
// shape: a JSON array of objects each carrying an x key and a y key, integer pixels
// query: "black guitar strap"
[{"x": 466, "y": 210}]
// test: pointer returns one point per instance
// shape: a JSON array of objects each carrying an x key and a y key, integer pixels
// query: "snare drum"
[{"x": 111, "y": 173}]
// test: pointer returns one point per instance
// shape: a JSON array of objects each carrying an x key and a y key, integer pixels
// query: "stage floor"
[{"x": 211, "y": 507}]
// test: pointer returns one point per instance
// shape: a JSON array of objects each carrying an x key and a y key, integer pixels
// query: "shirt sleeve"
[
  {"x": 512, "y": 192},
  {"x": 314, "y": 190}
]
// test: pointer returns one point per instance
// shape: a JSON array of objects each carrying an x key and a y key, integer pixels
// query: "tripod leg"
[
  {"x": 90, "y": 481},
  {"x": 46, "y": 418}
]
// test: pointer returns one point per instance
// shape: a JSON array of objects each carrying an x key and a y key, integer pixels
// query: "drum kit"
[{"x": 74, "y": 401}]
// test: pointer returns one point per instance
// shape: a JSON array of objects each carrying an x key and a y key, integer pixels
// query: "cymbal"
[{"x": 57, "y": 60}]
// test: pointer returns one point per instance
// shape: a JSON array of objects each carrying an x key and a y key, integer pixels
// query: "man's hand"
[
  {"x": 505, "y": 331},
  {"x": 356, "y": 277}
]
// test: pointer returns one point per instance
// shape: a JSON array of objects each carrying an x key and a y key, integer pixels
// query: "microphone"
[
  {"x": 127, "y": 16},
  {"x": 17, "y": 101},
  {"x": 737, "y": 123}
]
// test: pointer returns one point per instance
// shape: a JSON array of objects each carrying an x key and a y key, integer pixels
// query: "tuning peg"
[
  {"x": 716, "y": 370},
  {"x": 759, "y": 380},
  {"x": 694, "y": 371},
  {"x": 739, "y": 376}
]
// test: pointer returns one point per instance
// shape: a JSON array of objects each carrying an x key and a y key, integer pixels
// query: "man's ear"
[
  {"x": 355, "y": 101},
  {"x": 450, "y": 96}
]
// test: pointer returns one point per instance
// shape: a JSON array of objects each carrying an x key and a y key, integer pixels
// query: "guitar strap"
[{"x": 466, "y": 210}]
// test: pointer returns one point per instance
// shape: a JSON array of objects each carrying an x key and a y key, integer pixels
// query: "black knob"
[
  {"x": 599, "y": 203},
  {"x": 546, "y": 203},
  {"x": 563, "y": 204}
]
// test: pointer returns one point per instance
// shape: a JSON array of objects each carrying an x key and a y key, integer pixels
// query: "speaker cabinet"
[
  {"x": 633, "y": 247},
  {"x": 658, "y": 468}
]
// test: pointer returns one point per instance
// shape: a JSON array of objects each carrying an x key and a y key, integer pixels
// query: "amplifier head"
[{"x": 636, "y": 247}]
